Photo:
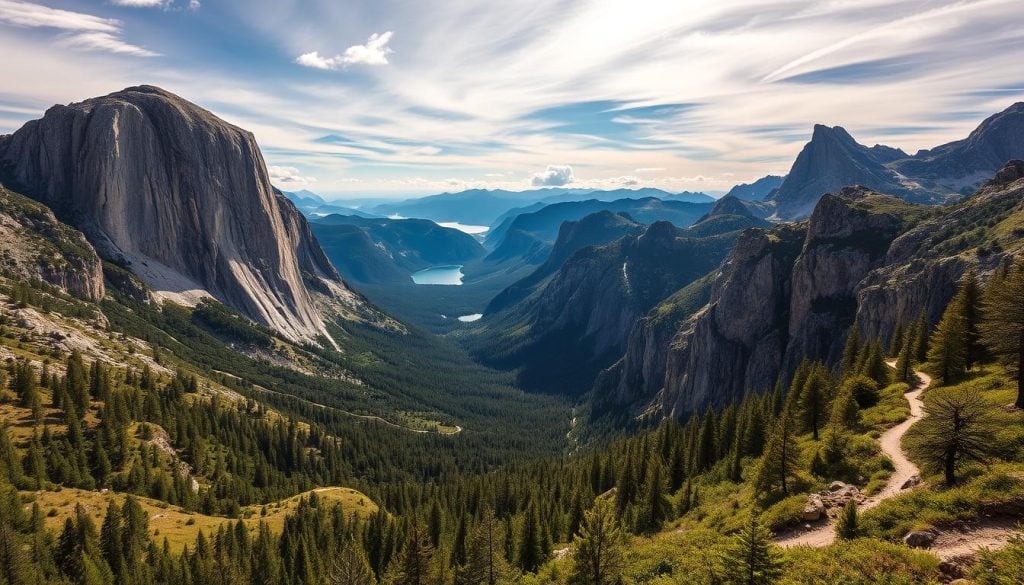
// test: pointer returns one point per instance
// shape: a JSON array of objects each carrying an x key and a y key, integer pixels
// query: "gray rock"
[
  {"x": 914, "y": 481},
  {"x": 179, "y": 196},
  {"x": 919, "y": 539},
  {"x": 814, "y": 509},
  {"x": 835, "y": 486}
]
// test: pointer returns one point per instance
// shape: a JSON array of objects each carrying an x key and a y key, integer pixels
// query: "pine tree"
[
  {"x": 597, "y": 557},
  {"x": 814, "y": 400},
  {"x": 656, "y": 504},
  {"x": 847, "y": 527},
  {"x": 781, "y": 458},
  {"x": 904, "y": 363},
  {"x": 531, "y": 551},
  {"x": 415, "y": 563},
  {"x": 350, "y": 566},
  {"x": 920, "y": 344},
  {"x": 1002, "y": 327},
  {"x": 872, "y": 364},
  {"x": 969, "y": 299},
  {"x": 898, "y": 340},
  {"x": 958, "y": 427},
  {"x": 845, "y": 410},
  {"x": 850, "y": 351},
  {"x": 750, "y": 558},
  {"x": 485, "y": 564},
  {"x": 948, "y": 345}
]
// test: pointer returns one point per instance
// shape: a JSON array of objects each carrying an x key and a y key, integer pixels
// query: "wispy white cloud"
[
  {"x": 78, "y": 30},
  {"x": 374, "y": 52}
]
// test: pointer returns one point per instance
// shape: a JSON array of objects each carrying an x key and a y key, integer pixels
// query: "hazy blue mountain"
[
  {"x": 757, "y": 190},
  {"x": 378, "y": 250},
  {"x": 526, "y": 231}
]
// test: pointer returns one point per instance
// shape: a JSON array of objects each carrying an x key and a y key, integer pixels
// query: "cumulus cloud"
[
  {"x": 649, "y": 170},
  {"x": 374, "y": 52},
  {"x": 78, "y": 30},
  {"x": 553, "y": 176},
  {"x": 288, "y": 177}
]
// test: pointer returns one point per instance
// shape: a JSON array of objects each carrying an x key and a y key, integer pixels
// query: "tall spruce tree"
[
  {"x": 598, "y": 551},
  {"x": 750, "y": 558},
  {"x": 947, "y": 349},
  {"x": 1002, "y": 326}
]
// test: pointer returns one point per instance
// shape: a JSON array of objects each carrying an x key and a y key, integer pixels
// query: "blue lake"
[{"x": 447, "y": 275}]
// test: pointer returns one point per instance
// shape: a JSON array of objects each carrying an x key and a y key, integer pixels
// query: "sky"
[{"x": 382, "y": 98}]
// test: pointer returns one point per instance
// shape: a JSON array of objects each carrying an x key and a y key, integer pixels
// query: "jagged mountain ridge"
[
  {"x": 794, "y": 291},
  {"x": 180, "y": 197},
  {"x": 833, "y": 160},
  {"x": 571, "y": 324}
]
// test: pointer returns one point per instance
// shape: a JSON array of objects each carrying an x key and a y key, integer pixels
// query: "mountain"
[
  {"x": 830, "y": 161},
  {"x": 833, "y": 160},
  {"x": 692, "y": 197},
  {"x": 378, "y": 250},
  {"x": 471, "y": 207},
  {"x": 181, "y": 198},
  {"x": 528, "y": 232},
  {"x": 576, "y": 321},
  {"x": 597, "y": 228},
  {"x": 758, "y": 190},
  {"x": 37, "y": 247},
  {"x": 793, "y": 292}
]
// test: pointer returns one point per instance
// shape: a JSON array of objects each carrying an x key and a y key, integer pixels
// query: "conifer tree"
[
  {"x": 948, "y": 345},
  {"x": 531, "y": 550},
  {"x": 1002, "y": 327},
  {"x": 847, "y": 527},
  {"x": 814, "y": 400},
  {"x": 872, "y": 364},
  {"x": 656, "y": 504},
  {"x": 958, "y": 427},
  {"x": 485, "y": 564},
  {"x": 414, "y": 567},
  {"x": 969, "y": 299},
  {"x": 850, "y": 351},
  {"x": 781, "y": 457},
  {"x": 904, "y": 363},
  {"x": 920, "y": 343},
  {"x": 350, "y": 566},
  {"x": 750, "y": 558},
  {"x": 597, "y": 557}
]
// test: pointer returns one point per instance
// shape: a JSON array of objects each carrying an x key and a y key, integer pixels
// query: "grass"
[
  {"x": 181, "y": 527},
  {"x": 982, "y": 488}
]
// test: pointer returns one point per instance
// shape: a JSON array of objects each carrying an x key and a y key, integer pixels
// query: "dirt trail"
[
  {"x": 823, "y": 533},
  {"x": 964, "y": 542}
]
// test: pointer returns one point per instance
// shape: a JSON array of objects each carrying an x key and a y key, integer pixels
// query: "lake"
[
  {"x": 473, "y": 230},
  {"x": 447, "y": 275}
]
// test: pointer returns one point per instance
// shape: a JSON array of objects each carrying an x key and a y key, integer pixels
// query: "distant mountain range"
[{"x": 531, "y": 234}]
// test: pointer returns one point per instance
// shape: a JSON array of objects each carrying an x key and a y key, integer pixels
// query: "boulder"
[
  {"x": 814, "y": 509},
  {"x": 835, "y": 486},
  {"x": 914, "y": 481},
  {"x": 919, "y": 539}
]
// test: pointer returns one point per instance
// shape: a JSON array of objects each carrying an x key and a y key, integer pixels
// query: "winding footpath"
[{"x": 824, "y": 533}]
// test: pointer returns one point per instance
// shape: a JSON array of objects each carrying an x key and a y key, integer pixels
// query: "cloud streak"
[{"x": 77, "y": 30}]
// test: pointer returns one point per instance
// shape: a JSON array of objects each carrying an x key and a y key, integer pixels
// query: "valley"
[{"x": 209, "y": 378}]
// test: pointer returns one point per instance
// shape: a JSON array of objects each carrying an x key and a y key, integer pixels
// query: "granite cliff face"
[
  {"x": 794, "y": 291},
  {"x": 178, "y": 196},
  {"x": 36, "y": 246}
]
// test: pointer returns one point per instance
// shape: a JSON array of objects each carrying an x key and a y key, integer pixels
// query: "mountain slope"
[
  {"x": 794, "y": 291},
  {"x": 758, "y": 190},
  {"x": 181, "y": 198},
  {"x": 389, "y": 250},
  {"x": 595, "y": 229},
  {"x": 577, "y": 321},
  {"x": 833, "y": 160}
]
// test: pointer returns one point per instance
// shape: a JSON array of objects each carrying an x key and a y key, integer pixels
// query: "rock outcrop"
[
  {"x": 794, "y": 291},
  {"x": 36, "y": 246},
  {"x": 178, "y": 196}
]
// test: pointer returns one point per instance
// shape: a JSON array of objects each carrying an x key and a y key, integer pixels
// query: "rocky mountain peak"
[
  {"x": 180, "y": 197},
  {"x": 729, "y": 205}
]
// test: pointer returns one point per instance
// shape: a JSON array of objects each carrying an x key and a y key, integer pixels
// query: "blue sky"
[{"x": 386, "y": 97}]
